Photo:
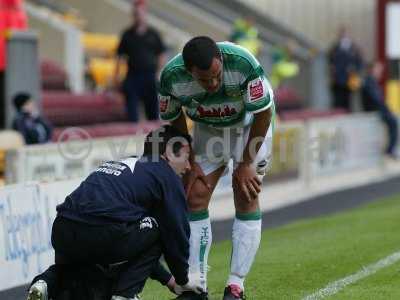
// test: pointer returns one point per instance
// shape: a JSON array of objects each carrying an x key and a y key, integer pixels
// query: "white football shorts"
[{"x": 215, "y": 147}]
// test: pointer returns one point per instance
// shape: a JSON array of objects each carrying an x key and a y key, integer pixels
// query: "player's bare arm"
[{"x": 245, "y": 178}]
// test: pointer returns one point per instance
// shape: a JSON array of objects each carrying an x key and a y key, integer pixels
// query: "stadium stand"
[
  {"x": 99, "y": 44},
  {"x": 287, "y": 99},
  {"x": 99, "y": 52},
  {"x": 88, "y": 110},
  {"x": 113, "y": 129},
  {"x": 100, "y": 71},
  {"x": 64, "y": 11},
  {"x": 66, "y": 109},
  {"x": 53, "y": 76}
]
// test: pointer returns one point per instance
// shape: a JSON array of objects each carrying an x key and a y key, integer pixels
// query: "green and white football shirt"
[{"x": 244, "y": 91}]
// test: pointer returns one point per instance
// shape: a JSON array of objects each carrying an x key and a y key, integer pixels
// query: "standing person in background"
[
  {"x": 346, "y": 63},
  {"x": 34, "y": 128},
  {"x": 373, "y": 100},
  {"x": 144, "y": 50},
  {"x": 283, "y": 64},
  {"x": 245, "y": 34}
]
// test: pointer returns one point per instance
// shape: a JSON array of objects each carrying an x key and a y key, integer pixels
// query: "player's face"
[
  {"x": 210, "y": 79},
  {"x": 180, "y": 161}
]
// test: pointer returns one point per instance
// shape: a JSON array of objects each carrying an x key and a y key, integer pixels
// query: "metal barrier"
[
  {"x": 304, "y": 150},
  {"x": 286, "y": 151},
  {"x": 75, "y": 156},
  {"x": 343, "y": 143},
  {"x": 73, "y": 59}
]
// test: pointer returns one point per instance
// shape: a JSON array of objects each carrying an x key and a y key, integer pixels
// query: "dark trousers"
[
  {"x": 81, "y": 246},
  {"x": 391, "y": 123},
  {"x": 341, "y": 97},
  {"x": 141, "y": 85}
]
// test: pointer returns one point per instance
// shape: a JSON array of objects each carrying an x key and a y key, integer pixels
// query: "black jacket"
[
  {"x": 35, "y": 130},
  {"x": 128, "y": 190}
]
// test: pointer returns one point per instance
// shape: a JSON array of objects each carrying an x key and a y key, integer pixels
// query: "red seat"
[
  {"x": 287, "y": 99},
  {"x": 111, "y": 129},
  {"x": 53, "y": 76},
  {"x": 66, "y": 109}
]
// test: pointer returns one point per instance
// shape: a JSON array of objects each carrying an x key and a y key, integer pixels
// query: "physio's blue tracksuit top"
[{"x": 128, "y": 190}]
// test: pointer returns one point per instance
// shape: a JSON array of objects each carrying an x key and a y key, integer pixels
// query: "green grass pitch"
[{"x": 301, "y": 258}]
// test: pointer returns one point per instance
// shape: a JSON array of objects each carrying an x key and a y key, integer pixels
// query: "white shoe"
[
  {"x": 38, "y": 291},
  {"x": 123, "y": 298}
]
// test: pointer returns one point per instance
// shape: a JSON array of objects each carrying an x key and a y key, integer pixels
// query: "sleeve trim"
[
  {"x": 165, "y": 118},
  {"x": 261, "y": 109}
]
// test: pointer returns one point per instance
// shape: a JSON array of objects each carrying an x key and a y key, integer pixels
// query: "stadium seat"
[
  {"x": 53, "y": 76},
  {"x": 65, "y": 109},
  {"x": 113, "y": 129},
  {"x": 287, "y": 99},
  {"x": 102, "y": 71},
  {"x": 100, "y": 44}
]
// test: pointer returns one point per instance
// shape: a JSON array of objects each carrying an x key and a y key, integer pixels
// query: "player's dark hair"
[
  {"x": 199, "y": 52},
  {"x": 157, "y": 140}
]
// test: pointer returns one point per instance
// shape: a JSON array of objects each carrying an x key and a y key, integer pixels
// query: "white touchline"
[{"x": 338, "y": 285}]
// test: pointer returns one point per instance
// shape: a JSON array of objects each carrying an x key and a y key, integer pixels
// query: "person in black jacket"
[
  {"x": 345, "y": 63},
  {"x": 143, "y": 49},
  {"x": 130, "y": 211},
  {"x": 373, "y": 100},
  {"x": 34, "y": 128}
]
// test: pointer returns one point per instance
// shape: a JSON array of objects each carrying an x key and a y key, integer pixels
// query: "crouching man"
[{"x": 131, "y": 212}]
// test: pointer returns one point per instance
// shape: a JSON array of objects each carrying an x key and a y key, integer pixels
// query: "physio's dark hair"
[
  {"x": 199, "y": 52},
  {"x": 156, "y": 141}
]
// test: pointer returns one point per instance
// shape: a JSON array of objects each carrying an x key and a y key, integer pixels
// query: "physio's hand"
[
  {"x": 188, "y": 287},
  {"x": 195, "y": 173},
  {"x": 172, "y": 285},
  {"x": 246, "y": 182}
]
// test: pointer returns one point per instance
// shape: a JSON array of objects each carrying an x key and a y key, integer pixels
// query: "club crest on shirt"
[
  {"x": 256, "y": 90},
  {"x": 164, "y": 103}
]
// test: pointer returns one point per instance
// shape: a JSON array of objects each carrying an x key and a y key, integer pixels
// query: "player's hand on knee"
[{"x": 246, "y": 182}]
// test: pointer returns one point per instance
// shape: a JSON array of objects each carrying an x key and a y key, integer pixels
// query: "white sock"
[
  {"x": 200, "y": 244},
  {"x": 246, "y": 237}
]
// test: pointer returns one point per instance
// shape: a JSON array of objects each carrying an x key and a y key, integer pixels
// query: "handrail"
[{"x": 270, "y": 30}]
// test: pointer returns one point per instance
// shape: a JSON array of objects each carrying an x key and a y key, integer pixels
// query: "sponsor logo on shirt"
[
  {"x": 164, "y": 103},
  {"x": 256, "y": 90},
  {"x": 213, "y": 112}
]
